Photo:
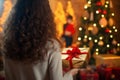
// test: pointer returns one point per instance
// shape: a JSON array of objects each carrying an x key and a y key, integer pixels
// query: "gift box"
[
  {"x": 74, "y": 57},
  {"x": 108, "y": 59},
  {"x": 86, "y": 75}
]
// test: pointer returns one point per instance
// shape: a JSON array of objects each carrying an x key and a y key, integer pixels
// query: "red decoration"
[
  {"x": 107, "y": 30},
  {"x": 99, "y": 3},
  {"x": 74, "y": 53},
  {"x": 99, "y": 10},
  {"x": 104, "y": 12}
]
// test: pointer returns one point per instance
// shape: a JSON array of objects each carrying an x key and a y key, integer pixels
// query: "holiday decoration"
[
  {"x": 114, "y": 42},
  {"x": 86, "y": 14},
  {"x": 91, "y": 16},
  {"x": 104, "y": 12},
  {"x": 107, "y": 30},
  {"x": 98, "y": 3},
  {"x": 100, "y": 29},
  {"x": 95, "y": 30},
  {"x": 103, "y": 22},
  {"x": 100, "y": 43},
  {"x": 111, "y": 22},
  {"x": 74, "y": 54}
]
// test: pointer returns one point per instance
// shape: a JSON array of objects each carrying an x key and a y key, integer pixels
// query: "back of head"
[{"x": 28, "y": 29}]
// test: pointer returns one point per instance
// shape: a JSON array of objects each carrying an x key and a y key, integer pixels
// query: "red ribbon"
[{"x": 74, "y": 53}]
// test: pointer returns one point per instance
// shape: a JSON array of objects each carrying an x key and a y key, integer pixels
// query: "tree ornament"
[
  {"x": 99, "y": 3},
  {"x": 111, "y": 22},
  {"x": 86, "y": 14},
  {"x": 103, "y": 22},
  {"x": 90, "y": 28},
  {"x": 104, "y": 12},
  {"x": 100, "y": 43},
  {"x": 85, "y": 40},
  {"x": 107, "y": 30},
  {"x": 114, "y": 42},
  {"x": 95, "y": 30},
  {"x": 111, "y": 4},
  {"x": 91, "y": 16},
  {"x": 103, "y": 2},
  {"x": 99, "y": 10}
]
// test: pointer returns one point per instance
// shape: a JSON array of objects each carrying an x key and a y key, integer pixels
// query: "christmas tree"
[{"x": 98, "y": 28}]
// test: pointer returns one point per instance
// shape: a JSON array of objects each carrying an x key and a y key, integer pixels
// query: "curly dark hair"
[{"x": 28, "y": 29}]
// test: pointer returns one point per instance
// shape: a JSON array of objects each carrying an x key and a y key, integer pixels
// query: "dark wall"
[{"x": 116, "y": 9}]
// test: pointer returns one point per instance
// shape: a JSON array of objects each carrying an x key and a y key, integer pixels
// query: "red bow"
[{"x": 74, "y": 53}]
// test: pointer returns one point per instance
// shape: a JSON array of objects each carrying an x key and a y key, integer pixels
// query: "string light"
[
  {"x": 111, "y": 36},
  {"x": 94, "y": 24},
  {"x": 90, "y": 38},
  {"x": 80, "y": 29},
  {"x": 79, "y": 38},
  {"x": 110, "y": 31},
  {"x": 95, "y": 40},
  {"x": 107, "y": 2},
  {"x": 89, "y": 2},
  {"x": 97, "y": 50},
  {"x": 116, "y": 30},
  {"x": 85, "y": 36},
  {"x": 102, "y": 16},
  {"x": 97, "y": 53},
  {"x": 106, "y": 6},
  {"x": 101, "y": 38},
  {"x": 114, "y": 27},
  {"x": 118, "y": 44},
  {"x": 85, "y": 7},
  {"x": 113, "y": 14},
  {"x": 85, "y": 18},
  {"x": 97, "y": 12},
  {"x": 108, "y": 45},
  {"x": 102, "y": 26}
]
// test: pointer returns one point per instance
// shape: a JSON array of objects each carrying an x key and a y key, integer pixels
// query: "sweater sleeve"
[{"x": 55, "y": 66}]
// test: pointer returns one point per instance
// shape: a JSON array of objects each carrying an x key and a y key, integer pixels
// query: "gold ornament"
[
  {"x": 114, "y": 42},
  {"x": 85, "y": 40},
  {"x": 100, "y": 43},
  {"x": 90, "y": 28},
  {"x": 111, "y": 22},
  {"x": 86, "y": 14},
  {"x": 95, "y": 30},
  {"x": 103, "y": 22}
]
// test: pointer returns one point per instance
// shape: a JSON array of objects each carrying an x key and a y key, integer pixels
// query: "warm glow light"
[
  {"x": 111, "y": 36},
  {"x": 95, "y": 40},
  {"x": 107, "y": 2},
  {"x": 85, "y": 36},
  {"x": 110, "y": 31},
  {"x": 80, "y": 29},
  {"x": 7, "y": 7},
  {"x": 101, "y": 38},
  {"x": 102, "y": 15},
  {"x": 97, "y": 50},
  {"x": 97, "y": 12},
  {"x": 106, "y": 6},
  {"x": 118, "y": 44},
  {"x": 79, "y": 38},
  {"x": 89, "y": 2},
  {"x": 90, "y": 38},
  {"x": 114, "y": 27},
  {"x": 108, "y": 45},
  {"x": 94, "y": 24},
  {"x": 97, "y": 53},
  {"x": 116, "y": 30},
  {"x": 85, "y": 18},
  {"x": 113, "y": 14},
  {"x": 102, "y": 26},
  {"x": 85, "y": 7}
]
